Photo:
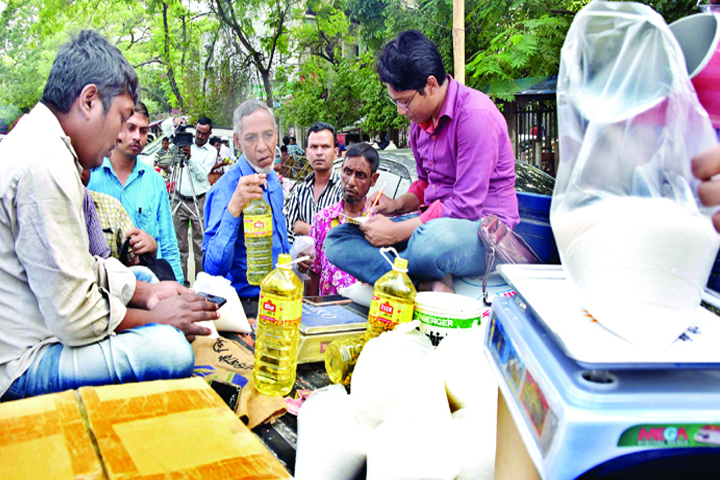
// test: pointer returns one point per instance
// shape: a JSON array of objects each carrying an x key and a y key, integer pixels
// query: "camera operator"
[{"x": 200, "y": 159}]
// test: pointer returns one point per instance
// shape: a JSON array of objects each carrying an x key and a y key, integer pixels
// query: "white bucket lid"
[{"x": 448, "y": 304}]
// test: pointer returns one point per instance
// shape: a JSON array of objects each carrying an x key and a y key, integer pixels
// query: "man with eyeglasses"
[{"x": 466, "y": 171}]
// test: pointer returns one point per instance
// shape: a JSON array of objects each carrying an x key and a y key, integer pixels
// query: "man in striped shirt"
[{"x": 321, "y": 188}]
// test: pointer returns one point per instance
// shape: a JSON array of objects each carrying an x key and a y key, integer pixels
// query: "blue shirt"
[
  {"x": 145, "y": 198},
  {"x": 224, "y": 241}
]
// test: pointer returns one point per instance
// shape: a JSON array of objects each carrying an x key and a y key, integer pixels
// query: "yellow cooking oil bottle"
[
  {"x": 392, "y": 303},
  {"x": 257, "y": 225},
  {"x": 278, "y": 329},
  {"x": 393, "y": 300}
]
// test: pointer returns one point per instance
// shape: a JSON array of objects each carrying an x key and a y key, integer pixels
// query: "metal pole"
[{"x": 459, "y": 39}]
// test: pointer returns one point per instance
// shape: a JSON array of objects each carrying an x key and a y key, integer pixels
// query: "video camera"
[{"x": 180, "y": 137}]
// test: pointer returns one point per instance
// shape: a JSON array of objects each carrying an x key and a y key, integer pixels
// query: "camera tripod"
[{"x": 176, "y": 177}]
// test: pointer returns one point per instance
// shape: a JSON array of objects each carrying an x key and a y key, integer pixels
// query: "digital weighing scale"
[{"x": 588, "y": 404}]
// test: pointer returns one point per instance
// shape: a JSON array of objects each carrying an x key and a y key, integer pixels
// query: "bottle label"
[
  {"x": 258, "y": 225},
  {"x": 389, "y": 312},
  {"x": 282, "y": 313}
]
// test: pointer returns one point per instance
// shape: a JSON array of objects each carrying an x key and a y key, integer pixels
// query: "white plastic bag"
[
  {"x": 407, "y": 448},
  {"x": 630, "y": 230},
  {"x": 332, "y": 444},
  {"x": 397, "y": 376},
  {"x": 232, "y": 316},
  {"x": 301, "y": 245}
]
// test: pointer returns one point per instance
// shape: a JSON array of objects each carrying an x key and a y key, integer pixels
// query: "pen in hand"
[{"x": 379, "y": 195}]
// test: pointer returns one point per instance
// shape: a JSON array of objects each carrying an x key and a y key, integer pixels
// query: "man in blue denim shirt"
[
  {"x": 250, "y": 178},
  {"x": 142, "y": 192}
]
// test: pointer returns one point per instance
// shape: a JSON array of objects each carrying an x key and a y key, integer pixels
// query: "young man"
[
  {"x": 252, "y": 177},
  {"x": 358, "y": 174},
  {"x": 201, "y": 158},
  {"x": 141, "y": 191},
  {"x": 321, "y": 188},
  {"x": 466, "y": 170},
  {"x": 59, "y": 305}
]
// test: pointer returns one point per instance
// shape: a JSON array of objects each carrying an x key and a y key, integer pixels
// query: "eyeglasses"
[{"x": 406, "y": 106}]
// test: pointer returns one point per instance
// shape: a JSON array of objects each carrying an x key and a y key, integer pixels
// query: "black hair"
[
  {"x": 142, "y": 109},
  {"x": 214, "y": 141},
  {"x": 365, "y": 151},
  {"x": 283, "y": 148},
  {"x": 408, "y": 60},
  {"x": 286, "y": 140},
  {"x": 165, "y": 139},
  {"x": 319, "y": 127},
  {"x": 365, "y": 137},
  {"x": 89, "y": 58},
  {"x": 205, "y": 121}
]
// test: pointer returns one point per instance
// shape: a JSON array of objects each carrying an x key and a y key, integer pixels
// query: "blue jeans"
[
  {"x": 150, "y": 352},
  {"x": 439, "y": 247},
  {"x": 144, "y": 273}
]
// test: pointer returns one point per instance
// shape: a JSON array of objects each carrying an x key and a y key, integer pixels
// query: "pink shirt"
[
  {"x": 465, "y": 165},
  {"x": 331, "y": 277}
]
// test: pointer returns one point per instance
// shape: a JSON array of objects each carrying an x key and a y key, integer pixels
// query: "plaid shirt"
[
  {"x": 331, "y": 277},
  {"x": 114, "y": 220},
  {"x": 300, "y": 204}
]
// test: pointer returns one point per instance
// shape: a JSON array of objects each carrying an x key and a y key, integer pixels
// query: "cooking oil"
[
  {"x": 278, "y": 329},
  {"x": 257, "y": 224}
]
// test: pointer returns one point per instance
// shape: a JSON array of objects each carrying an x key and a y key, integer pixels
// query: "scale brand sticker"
[
  {"x": 389, "y": 312},
  {"x": 679, "y": 435},
  {"x": 258, "y": 225},
  {"x": 285, "y": 313},
  {"x": 535, "y": 402},
  {"x": 510, "y": 363}
]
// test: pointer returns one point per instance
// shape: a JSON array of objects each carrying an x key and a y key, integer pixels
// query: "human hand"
[
  {"x": 249, "y": 188},
  {"x": 141, "y": 242},
  {"x": 705, "y": 166},
  {"x": 305, "y": 265},
  {"x": 182, "y": 311},
  {"x": 379, "y": 231},
  {"x": 385, "y": 205},
  {"x": 187, "y": 150},
  {"x": 163, "y": 290}
]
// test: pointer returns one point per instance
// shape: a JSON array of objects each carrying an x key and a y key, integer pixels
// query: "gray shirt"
[{"x": 51, "y": 289}]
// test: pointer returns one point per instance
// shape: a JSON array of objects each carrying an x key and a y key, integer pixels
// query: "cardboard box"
[{"x": 163, "y": 429}]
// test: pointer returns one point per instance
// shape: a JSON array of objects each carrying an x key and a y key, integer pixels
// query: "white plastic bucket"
[{"x": 440, "y": 313}]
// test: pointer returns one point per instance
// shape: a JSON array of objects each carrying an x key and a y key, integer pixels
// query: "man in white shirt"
[
  {"x": 61, "y": 307},
  {"x": 225, "y": 150},
  {"x": 188, "y": 212}
]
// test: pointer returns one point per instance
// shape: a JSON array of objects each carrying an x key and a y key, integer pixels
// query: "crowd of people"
[{"x": 94, "y": 262}]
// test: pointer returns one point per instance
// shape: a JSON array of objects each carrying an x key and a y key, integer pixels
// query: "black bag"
[{"x": 159, "y": 266}]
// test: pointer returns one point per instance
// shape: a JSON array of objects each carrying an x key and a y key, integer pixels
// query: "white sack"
[
  {"x": 396, "y": 375},
  {"x": 232, "y": 316},
  {"x": 469, "y": 380},
  {"x": 413, "y": 448},
  {"x": 475, "y": 431},
  {"x": 331, "y": 443}
]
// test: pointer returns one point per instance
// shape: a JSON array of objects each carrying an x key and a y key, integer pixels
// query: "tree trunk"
[
  {"x": 268, "y": 88},
  {"x": 170, "y": 73}
]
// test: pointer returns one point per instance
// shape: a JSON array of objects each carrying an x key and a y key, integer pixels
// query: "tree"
[{"x": 260, "y": 44}]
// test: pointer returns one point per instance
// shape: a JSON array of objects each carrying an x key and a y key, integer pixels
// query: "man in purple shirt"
[{"x": 466, "y": 171}]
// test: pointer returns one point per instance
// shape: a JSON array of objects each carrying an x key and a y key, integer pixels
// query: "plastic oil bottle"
[
  {"x": 257, "y": 225},
  {"x": 393, "y": 300},
  {"x": 278, "y": 330},
  {"x": 392, "y": 303}
]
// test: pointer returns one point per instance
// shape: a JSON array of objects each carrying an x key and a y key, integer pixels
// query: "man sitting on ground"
[
  {"x": 358, "y": 174},
  {"x": 60, "y": 307},
  {"x": 252, "y": 177},
  {"x": 142, "y": 192}
]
